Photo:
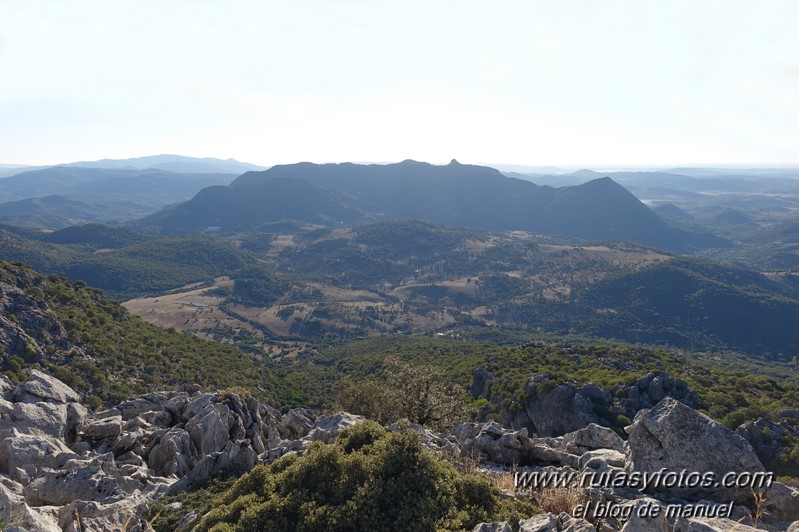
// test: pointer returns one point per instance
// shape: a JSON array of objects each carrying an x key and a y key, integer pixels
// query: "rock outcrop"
[
  {"x": 62, "y": 468},
  {"x": 57, "y": 461},
  {"x": 554, "y": 410}
]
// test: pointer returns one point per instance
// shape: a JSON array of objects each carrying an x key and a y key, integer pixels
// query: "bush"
[{"x": 369, "y": 479}]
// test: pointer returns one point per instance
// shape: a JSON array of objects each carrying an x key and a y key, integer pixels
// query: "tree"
[{"x": 421, "y": 394}]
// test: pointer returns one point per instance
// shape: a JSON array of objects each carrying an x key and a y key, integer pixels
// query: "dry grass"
[
  {"x": 557, "y": 500},
  {"x": 505, "y": 480}
]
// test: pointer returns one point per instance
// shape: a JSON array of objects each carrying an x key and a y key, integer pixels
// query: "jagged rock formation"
[{"x": 59, "y": 464}]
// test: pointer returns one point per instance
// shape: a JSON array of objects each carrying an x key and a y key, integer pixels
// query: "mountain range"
[{"x": 455, "y": 195}]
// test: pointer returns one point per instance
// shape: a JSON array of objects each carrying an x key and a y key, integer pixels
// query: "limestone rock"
[
  {"x": 539, "y": 523},
  {"x": 637, "y": 523},
  {"x": 496, "y": 445},
  {"x": 653, "y": 387},
  {"x": 481, "y": 383},
  {"x": 209, "y": 429},
  {"x": 19, "y": 452},
  {"x": 556, "y": 410},
  {"x": 493, "y": 527},
  {"x": 768, "y": 438},
  {"x": 103, "y": 428},
  {"x": 595, "y": 437},
  {"x": 125, "y": 515},
  {"x": 44, "y": 419},
  {"x": 14, "y": 509},
  {"x": 6, "y": 386},
  {"x": 676, "y": 437},
  {"x": 328, "y": 428},
  {"x": 172, "y": 453},
  {"x": 591, "y": 459},
  {"x": 296, "y": 424},
  {"x": 42, "y": 387},
  {"x": 783, "y": 501},
  {"x": 698, "y": 524},
  {"x": 98, "y": 479}
]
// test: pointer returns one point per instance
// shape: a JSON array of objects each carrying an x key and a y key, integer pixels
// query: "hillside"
[
  {"x": 56, "y": 212},
  {"x": 454, "y": 195},
  {"x": 414, "y": 277},
  {"x": 93, "y": 344},
  {"x": 411, "y": 276},
  {"x": 125, "y": 262}
]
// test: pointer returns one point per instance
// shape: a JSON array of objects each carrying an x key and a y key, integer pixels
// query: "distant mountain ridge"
[
  {"x": 454, "y": 195},
  {"x": 172, "y": 163}
]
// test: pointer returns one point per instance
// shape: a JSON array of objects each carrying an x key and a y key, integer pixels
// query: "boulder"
[
  {"x": 296, "y": 424},
  {"x": 42, "y": 387},
  {"x": 638, "y": 523},
  {"x": 328, "y": 428},
  {"x": 43, "y": 419},
  {"x": 197, "y": 404},
  {"x": 136, "y": 407},
  {"x": 699, "y": 524},
  {"x": 595, "y": 437},
  {"x": 209, "y": 429},
  {"x": 493, "y": 527},
  {"x": 543, "y": 454},
  {"x": 211, "y": 466},
  {"x": 102, "y": 428},
  {"x": 125, "y": 515},
  {"x": 592, "y": 459},
  {"x": 14, "y": 509},
  {"x": 675, "y": 437},
  {"x": 6, "y": 386},
  {"x": 481, "y": 383},
  {"x": 494, "y": 444},
  {"x": 783, "y": 501},
  {"x": 172, "y": 453},
  {"x": 539, "y": 523},
  {"x": 768, "y": 438},
  {"x": 652, "y": 388},
  {"x": 25, "y": 452},
  {"x": 569, "y": 524}
]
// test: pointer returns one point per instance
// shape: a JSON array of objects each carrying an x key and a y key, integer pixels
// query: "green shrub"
[{"x": 369, "y": 479}]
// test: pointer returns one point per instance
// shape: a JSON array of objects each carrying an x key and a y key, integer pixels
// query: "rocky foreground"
[{"x": 62, "y": 468}]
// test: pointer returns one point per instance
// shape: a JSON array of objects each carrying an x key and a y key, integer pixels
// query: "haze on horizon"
[{"x": 576, "y": 83}]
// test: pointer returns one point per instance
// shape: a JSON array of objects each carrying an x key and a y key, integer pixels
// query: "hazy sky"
[{"x": 555, "y": 82}]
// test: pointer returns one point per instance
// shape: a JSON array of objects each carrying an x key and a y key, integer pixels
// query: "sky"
[{"x": 567, "y": 83}]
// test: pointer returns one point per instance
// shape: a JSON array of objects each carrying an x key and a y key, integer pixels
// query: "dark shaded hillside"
[
  {"x": 94, "y": 236},
  {"x": 124, "y": 262},
  {"x": 682, "y": 305},
  {"x": 55, "y": 212},
  {"x": 454, "y": 195}
]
